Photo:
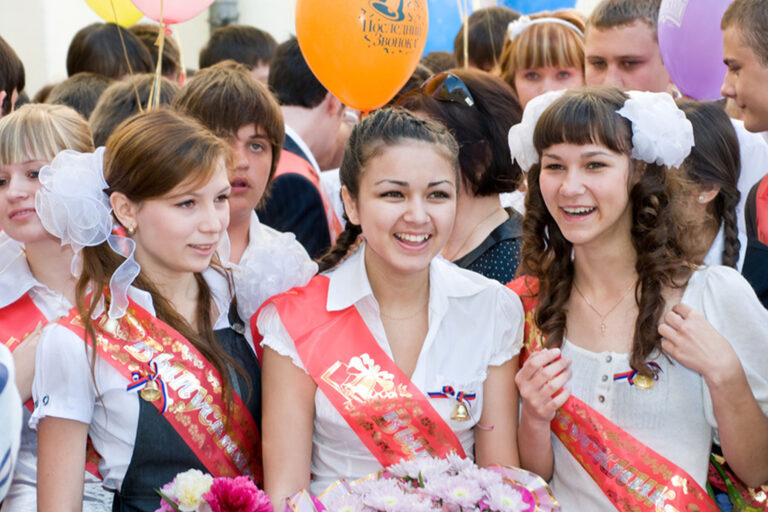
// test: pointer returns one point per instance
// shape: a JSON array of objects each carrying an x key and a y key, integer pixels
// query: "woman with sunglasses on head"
[
  {"x": 145, "y": 364},
  {"x": 478, "y": 109},
  {"x": 636, "y": 358},
  {"x": 387, "y": 324},
  {"x": 543, "y": 52},
  {"x": 36, "y": 283}
]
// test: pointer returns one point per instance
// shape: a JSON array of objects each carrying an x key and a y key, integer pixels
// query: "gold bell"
[
  {"x": 643, "y": 381},
  {"x": 151, "y": 392},
  {"x": 460, "y": 412}
]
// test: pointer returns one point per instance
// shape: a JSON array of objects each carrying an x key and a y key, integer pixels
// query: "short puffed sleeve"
[
  {"x": 63, "y": 386},
  {"x": 508, "y": 319},
  {"x": 729, "y": 303},
  {"x": 275, "y": 336}
]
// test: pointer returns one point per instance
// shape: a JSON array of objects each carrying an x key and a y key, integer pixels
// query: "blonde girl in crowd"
[
  {"x": 36, "y": 283},
  {"x": 146, "y": 364},
  {"x": 641, "y": 357},
  {"x": 385, "y": 303},
  {"x": 543, "y": 52}
]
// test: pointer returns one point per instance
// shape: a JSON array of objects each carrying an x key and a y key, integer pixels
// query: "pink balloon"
[
  {"x": 691, "y": 44},
  {"x": 174, "y": 11}
]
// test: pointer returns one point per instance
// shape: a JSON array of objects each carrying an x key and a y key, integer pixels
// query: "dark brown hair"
[
  {"x": 119, "y": 102},
  {"x": 171, "y": 64},
  {"x": 481, "y": 130},
  {"x": 81, "y": 91},
  {"x": 11, "y": 75},
  {"x": 380, "y": 130},
  {"x": 242, "y": 43},
  {"x": 486, "y": 30},
  {"x": 588, "y": 116},
  {"x": 146, "y": 157},
  {"x": 99, "y": 48},
  {"x": 715, "y": 160},
  {"x": 225, "y": 97}
]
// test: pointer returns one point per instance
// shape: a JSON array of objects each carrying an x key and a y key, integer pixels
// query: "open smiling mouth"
[
  {"x": 414, "y": 239},
  {"x": 579, "y": 212}
]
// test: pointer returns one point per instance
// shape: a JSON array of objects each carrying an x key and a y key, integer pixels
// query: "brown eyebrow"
[{"x": 394, "y": 182}]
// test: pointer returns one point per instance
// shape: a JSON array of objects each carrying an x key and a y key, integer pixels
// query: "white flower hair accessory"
[
  {"x": 517, "y": 27},
  {"x": 520, "y": 136},
  {"x": 661, "y": 133},
  {"x": 73, "y": 206}
]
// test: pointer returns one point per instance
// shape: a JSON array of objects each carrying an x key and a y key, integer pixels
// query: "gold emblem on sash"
[{"x": 361, "y": 380}]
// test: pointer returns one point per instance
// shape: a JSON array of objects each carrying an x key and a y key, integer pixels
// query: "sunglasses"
[{"x": 448, "y": 87}]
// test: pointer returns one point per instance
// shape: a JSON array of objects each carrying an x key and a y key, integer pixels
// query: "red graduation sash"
[
  {"x": 143, "y": 348},
  {"x": 18, "y": 320},
  {"x": 383, "y": 407},
  {"x": 631, "y": 475}
]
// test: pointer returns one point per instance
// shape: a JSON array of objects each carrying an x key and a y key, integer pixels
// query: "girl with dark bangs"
[{"x": 633, "y": 356}]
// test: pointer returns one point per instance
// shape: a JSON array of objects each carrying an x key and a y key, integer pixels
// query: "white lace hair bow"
[
  {"x": 661, "y": 133},
  {"x": 517, "y": 27},
  {"x": 520, "y": 136},
  {"x": 73, "y": 205}
]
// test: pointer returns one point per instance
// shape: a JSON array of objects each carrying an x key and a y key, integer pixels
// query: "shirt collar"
[
  {"x": 16, "y": 278},
  {"x": 290, "y": 132},
  {"x": 349, "y": 283}
]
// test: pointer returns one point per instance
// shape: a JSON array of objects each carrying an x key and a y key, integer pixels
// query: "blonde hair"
[
  {"x": 544, "y": 45},
  {"x": 39, "y": 131}
]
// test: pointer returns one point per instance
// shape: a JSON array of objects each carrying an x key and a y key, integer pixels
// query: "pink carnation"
[{"x": 237, "y": 494}]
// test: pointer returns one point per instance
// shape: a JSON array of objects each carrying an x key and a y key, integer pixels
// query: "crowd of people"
[{"x": 539, "y": 254}]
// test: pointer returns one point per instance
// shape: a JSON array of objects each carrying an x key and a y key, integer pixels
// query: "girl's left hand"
[{"x": 689, "y": 337}]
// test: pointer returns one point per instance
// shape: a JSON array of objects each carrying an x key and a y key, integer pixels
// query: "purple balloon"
[{"x": 691, "y": 44}]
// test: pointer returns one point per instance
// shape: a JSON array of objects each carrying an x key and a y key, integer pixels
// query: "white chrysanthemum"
[
  {"x": 661, "y": 133},
  {"x": 503, "y": 498},
  {"x": 189, "y": 487}
]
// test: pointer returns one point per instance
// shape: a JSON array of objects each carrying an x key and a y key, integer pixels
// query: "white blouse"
[
  {"x": 474, "y": 323},
  {"x": 675, "y": 417},
  {"x": 16, "y": 279},
  {"x": 273, "y": 263},
  {"x": 63, "y": 387}
]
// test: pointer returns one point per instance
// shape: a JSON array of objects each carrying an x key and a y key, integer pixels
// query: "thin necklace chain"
[{"x": 603, "y": 317}]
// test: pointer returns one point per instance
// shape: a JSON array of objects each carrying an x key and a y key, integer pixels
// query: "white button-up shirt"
[{"x": 474, "y": 323}]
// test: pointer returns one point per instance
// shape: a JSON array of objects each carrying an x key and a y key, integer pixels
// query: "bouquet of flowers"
[
  {"x": 452, "y": 484},
  {"x": 195, "y": 491}
]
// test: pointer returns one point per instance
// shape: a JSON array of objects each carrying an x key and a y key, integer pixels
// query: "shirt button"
[
  {"x": 601, "y": 399},
  {"x": 605, "y": 378},
  {"x": 608, "y": 358}
]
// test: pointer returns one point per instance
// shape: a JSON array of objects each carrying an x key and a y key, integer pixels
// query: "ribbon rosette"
[{"x": 140, "y": 383}]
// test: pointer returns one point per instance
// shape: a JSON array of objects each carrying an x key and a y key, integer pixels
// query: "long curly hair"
[{"x": 588, "y": 116}]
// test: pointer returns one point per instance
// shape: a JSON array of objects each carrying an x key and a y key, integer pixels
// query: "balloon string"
[
  {"x": 154, "y": 93},
  {"x": 125, "y": 54},
  {"x": 463, "y": 14}
]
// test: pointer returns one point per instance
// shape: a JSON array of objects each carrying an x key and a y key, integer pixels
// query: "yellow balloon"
[{"x": 127, "y": 13}]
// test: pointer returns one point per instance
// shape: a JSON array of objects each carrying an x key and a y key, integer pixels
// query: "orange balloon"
[{"x": 362, "y": 51}]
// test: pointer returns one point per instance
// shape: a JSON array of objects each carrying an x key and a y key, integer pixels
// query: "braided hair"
[
  {"x": 378, "y": 131},
  {"x": 715, "y": 161}
]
